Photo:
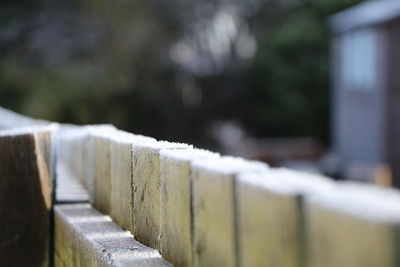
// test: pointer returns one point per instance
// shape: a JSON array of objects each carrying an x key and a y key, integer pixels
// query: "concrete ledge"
[{"x": 85, "y": 237}]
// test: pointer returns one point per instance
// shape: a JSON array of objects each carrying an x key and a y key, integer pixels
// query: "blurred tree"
[
  {"x": 170, "y": 68},
  {"x": 287, "y": 86}
]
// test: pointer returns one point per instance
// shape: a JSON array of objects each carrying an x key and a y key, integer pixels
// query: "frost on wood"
[
  {"x": 270, "y": 216},
  {"x": 121, "y": 176},
  {"x": 214, "y": 209},
  {"x": 85, "y": 237},
  {"x": 176, "y": 204},
  {"x": 355, "y": 225},
  {"x": 146, "y": 190}
]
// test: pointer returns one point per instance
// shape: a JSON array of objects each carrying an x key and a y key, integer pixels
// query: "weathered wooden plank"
[
  {"x": 94, "y": 240},
  {"x": 68, "y": 148},
  {"x": 270, "y": 216},
  {"x": 356, "y": 225},
  {"x": 58, "y": 261},
  {"x": 100, "y": 165},
  {"x": 176, "y": 203},
  {"x": 214, "y": 209},
  {"x": 146, "y": 190},
  {"x": 69, "y": 188},
  {"x": 76, "y": 152},
  {"x": 63, "y": 238},
  {"x": 25, "y": 196},
  {"x": 121, "y": 176}
]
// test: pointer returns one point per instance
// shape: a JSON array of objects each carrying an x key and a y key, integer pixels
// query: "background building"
[{"x": 366, "y": 82}]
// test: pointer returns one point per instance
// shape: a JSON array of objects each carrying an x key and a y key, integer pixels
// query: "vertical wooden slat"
[
  {"x": 101, "y": 145},
  {"x": 270, "y": 216},
  {"x": 176, "y": 203},
  {"x": 25, "y": 196},
  {"x": 121, "y": 176},
  {"x": 146, "y": 191},
  {"x": 214, "y": 210},
  {"x": 354, "y": 226}
]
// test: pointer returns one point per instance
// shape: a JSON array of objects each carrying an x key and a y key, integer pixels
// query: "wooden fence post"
[
  {"x": 25, "y": 196},
  {"x": 176, "y": 203},
  {"x": 214, "y": 209}
]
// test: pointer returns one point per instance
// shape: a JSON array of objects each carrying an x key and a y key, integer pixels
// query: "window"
[{"x": 359, "y": 59}]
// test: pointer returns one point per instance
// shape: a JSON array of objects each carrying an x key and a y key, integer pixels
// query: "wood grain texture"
[
  {"x": 215, "y": 210},
  {"x": 101, "y": 173},
  {"x": 25, "y": 197},
  {"x": 121, "y": 190},
  {"x": 146, "y": 191},
  {"x": 176, "y": 203},
  {"x": 354, "y": 226},
  {"x": 269, "y": 227},
  {"x": 337, "y": 239}
]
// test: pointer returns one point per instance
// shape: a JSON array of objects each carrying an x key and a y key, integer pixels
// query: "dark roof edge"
[{"x": 365, "y": 14}]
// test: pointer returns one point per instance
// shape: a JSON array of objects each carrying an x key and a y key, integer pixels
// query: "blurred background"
[{"x": 244, "y": 77}]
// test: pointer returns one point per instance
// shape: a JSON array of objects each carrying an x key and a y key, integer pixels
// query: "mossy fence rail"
[{"x": 97, "y": 196}]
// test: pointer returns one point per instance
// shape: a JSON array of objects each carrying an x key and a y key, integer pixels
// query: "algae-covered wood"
[
  {"x": 176, "y": 203},
  {"x": 214, "y": 210},
  {"x": 146, "y": 191},
  {"x": 121, "y": 176}
]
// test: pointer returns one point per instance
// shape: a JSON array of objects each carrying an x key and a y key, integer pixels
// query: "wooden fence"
[{"x": 121, "y": 199}]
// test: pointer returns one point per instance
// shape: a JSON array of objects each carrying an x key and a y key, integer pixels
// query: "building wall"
[
  {"x": 359, "y": 113},
  {"x": 393, "y": 123}
]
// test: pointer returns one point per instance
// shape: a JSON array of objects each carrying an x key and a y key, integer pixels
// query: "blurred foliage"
[
  {"x": 110, "y": 61},
  {"x": 287, "y": 86}
]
